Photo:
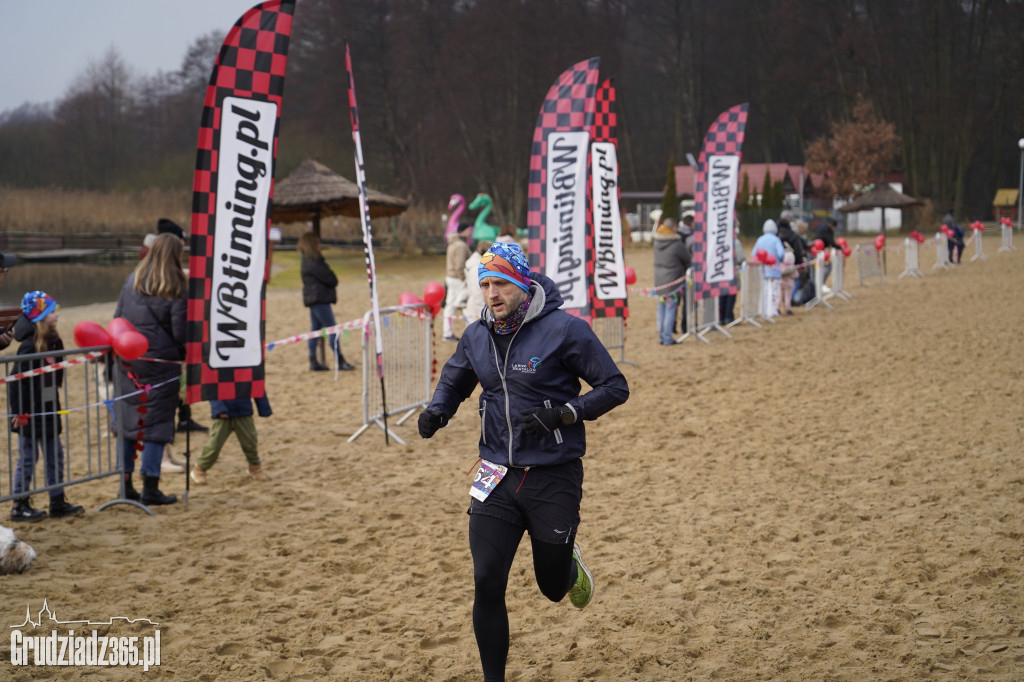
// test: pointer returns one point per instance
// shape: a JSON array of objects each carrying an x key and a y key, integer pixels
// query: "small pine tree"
[
  {"x": 743, "y": 200},
  {"x": 670, "y": 201}
]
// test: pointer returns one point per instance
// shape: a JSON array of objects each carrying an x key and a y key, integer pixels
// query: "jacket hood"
[
  {"x": 546, "y": 299},
  {"x": 23, "y": 329},
  {"x": 663, "y": 237}
]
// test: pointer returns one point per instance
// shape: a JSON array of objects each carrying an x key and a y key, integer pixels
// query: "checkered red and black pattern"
[
  {"x": 251, "y": 64},
  {"x": 568, "y": 106},
  {"x": 725, "y": 136},
  {"x": 605, "y": 130}
]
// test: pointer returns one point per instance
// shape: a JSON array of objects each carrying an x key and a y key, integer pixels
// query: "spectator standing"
[
  {"x": 35, "y": 401},
  {"x": 319, "y": 293},
  {"x": 153, "y": 300},
  {"x": 955, "y": 243},
  {"x": 7, "y": 261},
  {"x": 475, "y": 300},
  {"x": 671, "y": 259},
  {"x": 771, "y": 244},
  {"x": 727, "y": 301},
  {"x": 455, "y": 278},
  {"x": 185, "y": 421}
]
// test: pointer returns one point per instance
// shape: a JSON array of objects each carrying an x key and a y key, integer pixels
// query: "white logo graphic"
[{"x": 71, "y": 649}]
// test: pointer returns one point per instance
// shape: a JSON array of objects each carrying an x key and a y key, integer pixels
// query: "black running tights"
[{"x": 493, "y": 544}]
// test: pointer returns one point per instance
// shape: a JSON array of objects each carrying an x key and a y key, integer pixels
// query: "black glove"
[
  {"x": 540, "y": 421},
  {"x": 430, "y": 421}
]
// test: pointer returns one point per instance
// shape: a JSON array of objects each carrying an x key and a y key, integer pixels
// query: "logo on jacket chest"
[{"x": 529, "y": 367}]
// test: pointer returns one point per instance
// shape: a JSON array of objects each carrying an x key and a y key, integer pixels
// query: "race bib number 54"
[{"x": 487, "y": 478}]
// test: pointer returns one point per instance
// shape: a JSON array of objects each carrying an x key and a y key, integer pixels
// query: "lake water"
[{"x": 70, "y": 284}]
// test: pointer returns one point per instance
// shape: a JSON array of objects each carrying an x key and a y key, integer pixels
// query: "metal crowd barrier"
[
  {"x": 912, "y": 259},
  {"x": 838, "y": 277},
  {"x": 85, "y": 435},
  {"x": 1007, "y": 242},
  {"x": 407, "y": 336},
  {"x": 705, "y": 318},
  {"x": 612, "y": 333},
  {"x": 978, "y": 253},
  {"x": 941, "y": 252},
  {"x": 869, "y": 263},
  {"x": 818, "y": 273},
  {"x": 751, "y": 284}
]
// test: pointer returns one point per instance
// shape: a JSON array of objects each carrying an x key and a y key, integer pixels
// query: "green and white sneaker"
[{"x": 583, "y": 591}]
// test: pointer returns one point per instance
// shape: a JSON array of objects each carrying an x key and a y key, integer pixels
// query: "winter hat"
[
  {"x": 37, "y": 304},
  {"x": 786, "y": 216},
  {"x": 506, "y": 261},
  {"x": 770, "y": 227},
  {"x": 168, "y": 226}
]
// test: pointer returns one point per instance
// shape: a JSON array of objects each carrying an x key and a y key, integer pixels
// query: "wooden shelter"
[
  {"x": 882, "y": 196},
  {"x": 313, "y": 191}
]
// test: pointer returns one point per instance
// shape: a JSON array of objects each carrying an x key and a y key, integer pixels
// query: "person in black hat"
[
  {"x": 6, "y": 261},
  {"x": 168, "y": 226}
]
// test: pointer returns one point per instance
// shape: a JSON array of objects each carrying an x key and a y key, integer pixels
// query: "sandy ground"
[{"x": 837, "y": 496}]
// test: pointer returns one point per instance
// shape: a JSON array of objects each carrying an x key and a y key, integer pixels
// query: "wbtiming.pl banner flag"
[
  {"x": 714, "y": 205},
  {"x": 607, "y": 267},
  {"x": 231, "y": 193},
  {"x": 556, "y": 213}
]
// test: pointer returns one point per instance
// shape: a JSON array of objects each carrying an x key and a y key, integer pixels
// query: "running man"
[{"x": 529, "y": 357}]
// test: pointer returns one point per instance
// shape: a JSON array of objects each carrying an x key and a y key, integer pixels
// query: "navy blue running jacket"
[{"x": 546, "y": 359}]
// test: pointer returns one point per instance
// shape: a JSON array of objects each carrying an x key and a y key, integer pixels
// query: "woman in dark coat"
[
  {"x": 319, "y": 291},
  {"x": 153, "y": 300}
]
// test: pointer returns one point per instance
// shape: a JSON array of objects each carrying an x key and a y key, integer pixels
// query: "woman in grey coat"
[
  {"x": 153, "y": 300},
  {"x": 671, "y": 259}
]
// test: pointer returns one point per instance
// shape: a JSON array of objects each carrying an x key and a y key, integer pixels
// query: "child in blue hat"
[{"x": 34, "y": 403}]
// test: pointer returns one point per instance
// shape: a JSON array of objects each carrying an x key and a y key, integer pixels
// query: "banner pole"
[{"x": 367, "y": 237}]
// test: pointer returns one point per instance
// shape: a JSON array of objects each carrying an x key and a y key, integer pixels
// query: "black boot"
[
  {"x": 151, "y": 494},
  {"x": 59, "y": 506},
  {"x": 315, "y": 366},
  {"x": 23, "y": 511},
  {"x": 344, "y": 365},
  {"x": 130, "y": 493}
]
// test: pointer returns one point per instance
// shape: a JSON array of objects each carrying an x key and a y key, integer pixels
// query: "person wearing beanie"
[
  {"x": 771, "y": 245},
  {"x": 35, "y": 400},
  {"x": 529, "y": 358}
]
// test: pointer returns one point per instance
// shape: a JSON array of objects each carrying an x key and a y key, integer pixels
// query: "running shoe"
[{"x": 583, "y": 591}]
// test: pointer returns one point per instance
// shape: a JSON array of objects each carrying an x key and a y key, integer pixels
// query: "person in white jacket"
[{"x": 475, "y": 301}]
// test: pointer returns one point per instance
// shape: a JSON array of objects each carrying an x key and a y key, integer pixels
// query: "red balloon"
[
  {"x": 815, "y": 248},
  {"x": 630, "y": 275},
  {"x": 408, "y": 298},
  {"x": 770, "y": 260},
  {"x": 919, "y": 238},
  {"x": 847, "y": 251},
  {"x": 118, "y": 326},
  {"x": 828, "y": 257},
  {"x": 433, "y": 294},
  {"x": 820, "y": 244},
  {"x": 435, "y": 309},
  {"x": 880, "y": 242},
  {"x": 841, "y": 241},
  {"x": 130, "y": 345},
  {"x": 90, "y": 334}
]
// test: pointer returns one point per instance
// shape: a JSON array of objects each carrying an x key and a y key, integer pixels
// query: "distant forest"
[{"x": 449, "y": 92}]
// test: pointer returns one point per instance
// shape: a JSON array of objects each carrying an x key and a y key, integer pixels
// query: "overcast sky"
[{"x": 46, "y": 44}]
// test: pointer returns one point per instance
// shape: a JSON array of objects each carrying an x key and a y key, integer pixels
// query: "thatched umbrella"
[
  {"x": 313, "y": 191},
  {"x": 882, "y": 196}
]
